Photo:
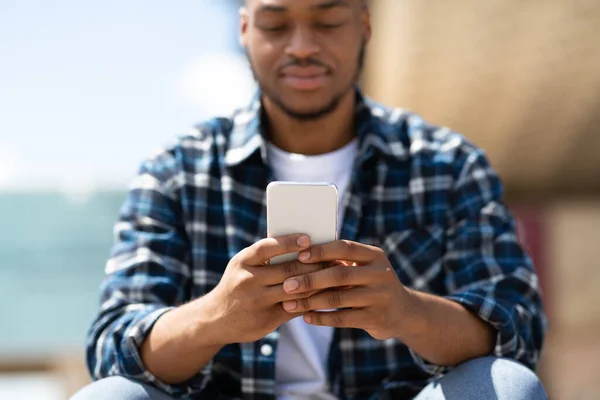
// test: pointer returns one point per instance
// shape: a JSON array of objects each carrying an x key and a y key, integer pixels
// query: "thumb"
[{"x": 285, "y": 316}]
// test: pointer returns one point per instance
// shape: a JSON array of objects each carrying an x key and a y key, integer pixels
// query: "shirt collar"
[{"x": 373, "y": 127}]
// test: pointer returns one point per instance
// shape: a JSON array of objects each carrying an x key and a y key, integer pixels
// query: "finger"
[
  {"x": 275, "y": 294},
  {"x": 283, "y": 315},
  {"x": 263, "y": 250},
  {"x": 337, "y": 319},
  {"x": 341, "y": 250},
  {"x": 327, "y": 299},
  {"x": 278, "y": 273},
  {"x": 330, "y": 278}
]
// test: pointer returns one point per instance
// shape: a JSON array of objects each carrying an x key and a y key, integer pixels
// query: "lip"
[
  {"x": 305, "y": 83},
  {"x": 305, "y": 78}
]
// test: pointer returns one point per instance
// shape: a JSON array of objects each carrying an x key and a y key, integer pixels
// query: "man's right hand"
[
  {"x": 244, "y": 307},
  {"x": 246, "y": 304}
]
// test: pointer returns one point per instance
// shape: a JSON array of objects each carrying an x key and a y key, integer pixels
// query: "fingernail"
[
  {"x": 303, "y": 241},
  {"x": 304, "y": 256},
  {"x": 290, "y": 305},
  {"x": 291, "y": 285},
  {"x": 307, "y": 319}
]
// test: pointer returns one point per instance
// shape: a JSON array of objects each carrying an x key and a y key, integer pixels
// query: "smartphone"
[{"x": 302, "y": 207}]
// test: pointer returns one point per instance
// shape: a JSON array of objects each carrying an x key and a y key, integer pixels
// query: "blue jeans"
[{"x": 488, "y": 378}]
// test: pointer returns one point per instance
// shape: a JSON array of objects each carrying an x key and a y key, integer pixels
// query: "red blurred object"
[{"x": 532, "y": 233}]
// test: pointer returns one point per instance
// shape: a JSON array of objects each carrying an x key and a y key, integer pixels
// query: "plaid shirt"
[{"x": 424, "y": 194}]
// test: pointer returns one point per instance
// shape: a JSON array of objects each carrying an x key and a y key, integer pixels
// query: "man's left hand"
[{"x": 363, "y": 283}]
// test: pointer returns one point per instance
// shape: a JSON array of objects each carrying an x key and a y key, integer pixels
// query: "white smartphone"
[{"x": 302, "y": 207}]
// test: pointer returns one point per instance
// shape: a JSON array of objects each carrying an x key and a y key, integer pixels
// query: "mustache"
[{"x": 304, "y": 62}]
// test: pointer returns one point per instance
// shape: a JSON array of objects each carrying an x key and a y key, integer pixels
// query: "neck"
[{"x": 321, "y": 136}]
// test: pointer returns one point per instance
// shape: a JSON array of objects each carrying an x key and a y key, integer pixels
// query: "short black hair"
[{"x": 364, "y": 2}]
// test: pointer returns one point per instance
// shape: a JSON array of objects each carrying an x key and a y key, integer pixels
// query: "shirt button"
[{"x": 266, "y": 350}]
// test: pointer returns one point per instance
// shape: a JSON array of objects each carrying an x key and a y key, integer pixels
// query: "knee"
[
  {"x": 118, "y": 388},
  {"x": 515, "y": 378},
  {"x": 509, "y": 379}
]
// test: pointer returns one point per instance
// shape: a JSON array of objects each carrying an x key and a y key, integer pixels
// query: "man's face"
[{"x": 306, "y": 55}]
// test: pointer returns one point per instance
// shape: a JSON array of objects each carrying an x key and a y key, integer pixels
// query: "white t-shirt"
[{"x": 303, "y": 349}]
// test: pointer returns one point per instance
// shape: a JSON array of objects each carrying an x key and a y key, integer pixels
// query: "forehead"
[{"x": 298, "y": 5}]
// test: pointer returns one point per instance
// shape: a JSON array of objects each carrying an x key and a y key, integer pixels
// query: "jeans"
[{"x": 487, "y": 378}]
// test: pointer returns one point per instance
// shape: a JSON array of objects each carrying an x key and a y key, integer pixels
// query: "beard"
[{"x": 316, "y": 114}]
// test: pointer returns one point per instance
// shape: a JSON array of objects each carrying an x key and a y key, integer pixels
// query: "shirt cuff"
[
  {"x": 495, "y": 313},
  {"x": 431, "y": 369},
  {"x": 490, "y": 311},
  {"x": 133, "y": 365}
]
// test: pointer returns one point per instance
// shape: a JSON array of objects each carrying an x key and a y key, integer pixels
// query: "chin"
[
  {"x": 303, "y": 105},
  {"x": 309, "y": 104},
  {"x": 309, "y": 113},
  {"x": 306, "y": 107}
]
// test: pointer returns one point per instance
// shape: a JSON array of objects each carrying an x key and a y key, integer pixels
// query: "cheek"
[
  {"x": 346, "y": 69},
  {"x": 346, "y": 53},
  {"x": 263, "y": 59}
]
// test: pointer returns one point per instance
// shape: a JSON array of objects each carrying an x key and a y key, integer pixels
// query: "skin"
[
  {"x": 306, "y": 56},
  {"x": 326, "y": 38},
  {"x": 373, "y": 299},
  {"x": 245, "y": 306}
]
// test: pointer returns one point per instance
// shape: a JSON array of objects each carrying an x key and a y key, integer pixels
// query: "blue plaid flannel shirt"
[{"x": 423, "y": 193}]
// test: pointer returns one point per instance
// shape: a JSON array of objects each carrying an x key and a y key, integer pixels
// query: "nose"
[{"x": 302, "y": 43}]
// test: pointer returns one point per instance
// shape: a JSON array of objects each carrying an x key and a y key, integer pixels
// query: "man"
[{"x": 432, "y": 295}]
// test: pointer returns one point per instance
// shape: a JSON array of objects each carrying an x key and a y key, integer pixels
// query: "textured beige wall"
[
  {"x": 574, "y": 261},
  {"x": 571, "y": 360},
  {"x": 520, "y": 78}
]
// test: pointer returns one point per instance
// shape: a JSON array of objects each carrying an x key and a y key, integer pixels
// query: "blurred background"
[{"x": 87, "y": 90}]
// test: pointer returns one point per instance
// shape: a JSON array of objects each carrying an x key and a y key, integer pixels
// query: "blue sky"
[{"x": 88, "y": 89}]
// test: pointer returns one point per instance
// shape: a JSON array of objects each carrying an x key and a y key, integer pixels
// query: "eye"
[
  {"x": 273, "y": 28},
  {"x": 272, "y": 25},
  {"x": 329, "y": 26}
]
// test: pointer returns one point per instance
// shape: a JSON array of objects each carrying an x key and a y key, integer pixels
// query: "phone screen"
[{"x": 300, "y": 207}]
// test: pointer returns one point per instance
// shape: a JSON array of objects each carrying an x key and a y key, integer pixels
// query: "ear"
[
  {"x": 244, "y": 27},
  {"x": 366, "y": 23}
]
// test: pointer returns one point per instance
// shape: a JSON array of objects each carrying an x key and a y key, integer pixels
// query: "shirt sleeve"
[
  {"x": 487, "y": 270},
  {"x": 147, "y": 275}
]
